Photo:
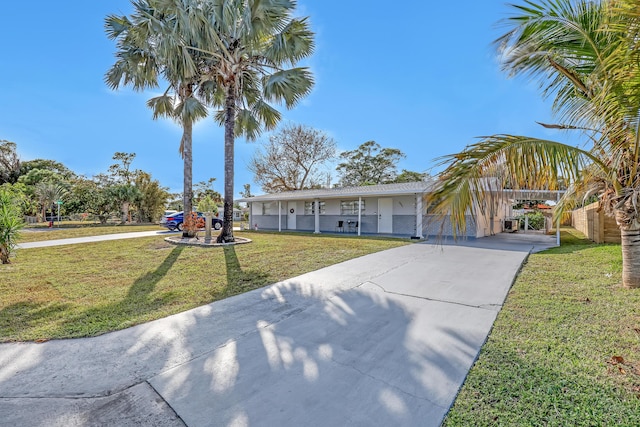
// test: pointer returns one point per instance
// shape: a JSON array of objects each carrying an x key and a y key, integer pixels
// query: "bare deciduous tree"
[{"x": 292, "y": 159}]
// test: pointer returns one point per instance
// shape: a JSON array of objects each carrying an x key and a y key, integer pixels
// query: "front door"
[
  {"x": 385, "y": 215},
  {"x": 292, "y": 208}
]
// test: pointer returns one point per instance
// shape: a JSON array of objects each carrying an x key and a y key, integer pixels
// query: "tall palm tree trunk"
[
  {"x": 187, "y": 192},
  {"x": 630, "y": 238},
  {"x": 226, "y": 235},
  {"x": 125, "y": 212}
]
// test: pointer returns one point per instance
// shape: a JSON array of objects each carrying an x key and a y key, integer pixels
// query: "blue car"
[{"x": 174, "y": 221}]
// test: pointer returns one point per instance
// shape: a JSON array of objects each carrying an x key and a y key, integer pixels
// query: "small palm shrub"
[{"x": 11, "y": 223}]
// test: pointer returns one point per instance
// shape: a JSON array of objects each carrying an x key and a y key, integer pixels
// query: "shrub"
[
  {"x": 192, "y": 223},
  {"x": 536, "y": 220},
  {"x": 11, "y": 223},
  {"x": 207, "y": 204}
]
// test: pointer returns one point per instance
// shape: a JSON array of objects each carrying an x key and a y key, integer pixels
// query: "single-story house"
[
  {"x": 386, "y": 209},
  {"x": 238, "y": 214}
]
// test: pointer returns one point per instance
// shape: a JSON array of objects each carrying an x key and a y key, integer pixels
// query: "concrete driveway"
[{"x": 386, "y": 339}]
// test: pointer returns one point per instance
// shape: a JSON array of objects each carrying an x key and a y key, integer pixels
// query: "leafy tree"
[
  {"x": 585, "y": 54},
  {"x": 92, "y": 196},
  {"x": 205, "y": 189},
  {"x": 9, "y": 162},
  {"x": 122, "y": 177},
  {"x": 292, "y": 158},
  {"x": 154, "y": 42},
  {"x": 10, "y": 222},
  {"x": 207, "y": 204},
  {"x": 369, "y": 164},
  {"x": 152, "y": 199},
  {"x": 121, "y": 171},
  {"x": 23, "y": 194},
  {"x": 411, "y": 176},
  {"x": 56, "y": 168},
  {"x": 37, "y": 176},
  {"x": 43, "y": 171}
]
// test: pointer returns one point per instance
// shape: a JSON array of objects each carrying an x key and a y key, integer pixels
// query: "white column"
[
  {"x": 316, "y": 202},
  {"x": 279, "y": 215},
  {"x": 250, "y": 215},
  {"x": 359, "y": 214},
  {"x": 419, "y": 216},
  {"x": 558, "y": 222}
]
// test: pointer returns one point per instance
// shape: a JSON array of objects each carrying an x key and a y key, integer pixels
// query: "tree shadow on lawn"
[
  {"x": 92, "y": 321},
  {"x": 131, "y": 310},
  {"x": 23, "y": 315},
  {"x": 239, "y": 280},
  {"x": 135, "y": 305}
]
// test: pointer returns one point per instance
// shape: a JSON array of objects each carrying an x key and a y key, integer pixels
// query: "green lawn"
[
  {"x": 76, "y": 230},
  {"x": 565, "y": 349},
  {"x": 89, "y": 289}
]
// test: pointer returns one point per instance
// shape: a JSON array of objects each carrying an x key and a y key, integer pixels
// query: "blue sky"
[{"x": 423, "y": 78}]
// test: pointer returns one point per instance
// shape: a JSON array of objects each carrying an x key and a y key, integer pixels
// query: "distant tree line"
[
  {"x": 297, "y": 157},
  {"x": 42, "y": 186}
]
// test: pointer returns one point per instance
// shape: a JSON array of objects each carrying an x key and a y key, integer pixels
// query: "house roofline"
[{"x": 408, "y": 188}]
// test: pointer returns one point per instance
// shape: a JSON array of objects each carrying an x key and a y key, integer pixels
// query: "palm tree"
[
  {"x": 584, "y": 55},
  {"x": 125, "y": 195},
  {"x": 48, "y": 193},
  {"x": 153, "y": 43},
  {"x": 250, "y": 49}
]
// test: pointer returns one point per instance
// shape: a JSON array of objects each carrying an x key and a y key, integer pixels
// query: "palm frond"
[
  {"x": 292, "y": 44},
  {"x": 162, "y": 106},
  {"x": 191, "y": 109},
  {"x": 501, "y": 163},
  {"x": 288, "y": 85}
]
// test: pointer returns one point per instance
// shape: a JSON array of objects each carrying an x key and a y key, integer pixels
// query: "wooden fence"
[{"x": 595, "y": 224}]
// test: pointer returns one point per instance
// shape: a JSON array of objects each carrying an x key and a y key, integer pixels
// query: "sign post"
[{"x": 59, "y": 202}]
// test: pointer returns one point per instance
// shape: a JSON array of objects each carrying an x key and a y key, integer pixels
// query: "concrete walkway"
[
  {"x": 385, "y": 339},
  {"x": 90, "y": 239}
]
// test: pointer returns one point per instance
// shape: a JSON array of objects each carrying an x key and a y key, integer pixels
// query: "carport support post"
[
  {"x": 359, "y": 214},
  {"x": 558, "y": 221},
  {"x": 279, "y": 215},
  {"x": 316, "y": 202}
]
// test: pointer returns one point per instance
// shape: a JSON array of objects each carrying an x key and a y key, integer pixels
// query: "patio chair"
[{"x": 340, "y": 226}]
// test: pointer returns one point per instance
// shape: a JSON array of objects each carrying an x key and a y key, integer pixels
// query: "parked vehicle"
[{"x": 174, "y": 221}]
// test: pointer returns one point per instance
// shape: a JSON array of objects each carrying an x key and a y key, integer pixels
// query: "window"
[
  {"x": 269, "y": 208},
  {"x": 309, "y": 208},
  {"x": 350, "y": 207}
]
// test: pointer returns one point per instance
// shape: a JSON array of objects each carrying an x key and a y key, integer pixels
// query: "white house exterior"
[{"x": 387, "y": 209}]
